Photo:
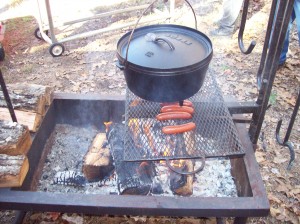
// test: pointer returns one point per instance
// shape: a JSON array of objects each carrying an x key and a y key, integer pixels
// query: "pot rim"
[{"x": 131, "y": 65}]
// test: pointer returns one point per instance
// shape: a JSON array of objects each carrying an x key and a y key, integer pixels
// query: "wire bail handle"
[{"x": 156, "y": 39}]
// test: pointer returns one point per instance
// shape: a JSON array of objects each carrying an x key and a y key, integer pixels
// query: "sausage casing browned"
[
  {"x": 176, "y": 129},
  {"x": 173, "y": 116},
  {"x": 187, "y": 103},
  {"x": 177, "y": 108}
]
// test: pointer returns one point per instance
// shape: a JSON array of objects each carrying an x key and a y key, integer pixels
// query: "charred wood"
[
  {"x": 134, "y": 178},
  {"x": 182, "y": 184}
]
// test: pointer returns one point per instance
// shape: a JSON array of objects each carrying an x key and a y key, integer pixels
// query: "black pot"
[{"x": 164, "y": 63}]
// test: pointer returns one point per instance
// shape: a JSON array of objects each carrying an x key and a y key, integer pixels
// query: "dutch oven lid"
[{"x": 165, "y": 47}]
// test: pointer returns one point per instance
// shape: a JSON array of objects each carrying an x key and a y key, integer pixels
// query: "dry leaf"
[
  {"x": 274, "y": 211},
  {"x": 274, "y": 198},
  {"x": 54, "y": 215},
  {"x": 279, "y": 160},
  {"x": 291, "y": 101},
  {"x": 260, "y": 157}
]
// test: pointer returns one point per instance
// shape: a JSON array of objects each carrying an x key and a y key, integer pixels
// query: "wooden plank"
[
  {"x": 97, "y": 162},
  {"x": 14, "y": 138},
  {"x": 30, "y": 119},
  {"x": 13, "y": 170}
]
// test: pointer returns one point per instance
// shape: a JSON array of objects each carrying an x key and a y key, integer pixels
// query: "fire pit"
[{"x": 87, "y": 111}]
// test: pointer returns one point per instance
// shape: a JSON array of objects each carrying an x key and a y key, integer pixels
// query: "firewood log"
[
  {"x": 134, "y": 178},
  {"x": 13, "y": 170},
  {"x": 30, "y": 119},
  {"x": 97, "y": 162},
  {"x": 28, "y": 97},
  {"x": 14, "y": 138}
]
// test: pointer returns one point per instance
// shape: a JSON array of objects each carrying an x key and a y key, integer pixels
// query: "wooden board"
[
  {"x": 30, "y": 119},
  {"x": 13, "y": 170},
  {"x": 97, "y": 162},
  {"x": 14, "y": 138}
]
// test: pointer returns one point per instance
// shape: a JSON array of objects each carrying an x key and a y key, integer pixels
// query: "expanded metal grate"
[{"x": 215, "y": 134}]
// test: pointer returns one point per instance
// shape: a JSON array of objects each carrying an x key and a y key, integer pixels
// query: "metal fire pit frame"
[{"x": 68, "y": 109}]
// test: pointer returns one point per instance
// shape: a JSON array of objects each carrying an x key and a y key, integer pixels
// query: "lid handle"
[
  {"x": 152, "y": 37},
  {"x": 137, "y": 22}
]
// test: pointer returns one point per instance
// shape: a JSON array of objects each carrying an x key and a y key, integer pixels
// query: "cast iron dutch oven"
[{"x": 164, "y": 63}]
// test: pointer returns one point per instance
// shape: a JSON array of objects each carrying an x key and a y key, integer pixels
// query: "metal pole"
[
  {"x": 284, "y": 11},
  {"x": 7, "y": 98}
]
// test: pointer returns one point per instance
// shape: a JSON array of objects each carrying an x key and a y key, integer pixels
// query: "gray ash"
[{"x": 62, "y": 170}]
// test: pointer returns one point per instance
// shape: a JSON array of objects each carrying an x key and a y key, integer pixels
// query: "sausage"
[
  {"x": 176, "y": 129},
  {"x": 177, "y": 108},
  {"x": 187, "y": 103},
  {"x": 173, "y": 116}
]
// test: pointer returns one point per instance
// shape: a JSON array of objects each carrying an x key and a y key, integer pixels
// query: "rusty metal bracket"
[
  {"x": 286, "y": 141},
  {"x": 241, "y": 31}
]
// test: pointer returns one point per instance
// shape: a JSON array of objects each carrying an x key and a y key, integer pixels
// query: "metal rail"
[
  {"x": 252, "y": 200},
  {"x": 54, "y": 42}
]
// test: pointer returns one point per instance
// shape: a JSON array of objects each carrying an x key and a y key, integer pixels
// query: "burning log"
[
  {"x": 14, "y": 138},
  {"x": 182, "y": 184},
  {"x": 97, "y": 162},
  {"x": 13, "y": 170},
  {"x": 134, "y": 178}
]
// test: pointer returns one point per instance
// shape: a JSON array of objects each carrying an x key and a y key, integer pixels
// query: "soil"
[{"x": 88, "y": 66}]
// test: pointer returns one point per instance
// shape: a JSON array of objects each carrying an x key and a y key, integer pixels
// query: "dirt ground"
[{"x": 88, "y": 66}]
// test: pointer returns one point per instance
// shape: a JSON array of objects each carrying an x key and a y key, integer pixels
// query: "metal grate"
[{"x": 215, "y": 134}]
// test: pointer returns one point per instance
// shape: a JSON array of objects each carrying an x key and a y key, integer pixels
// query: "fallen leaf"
[
  {"x": 54, "y": 215},
  {"x": 274, "y": 211},
  {"x": 279, "y": 160},
  {"x": 274, "y": 198},
  {"x": 291, "y": 101},
  {"x": 260, "y": 157}
]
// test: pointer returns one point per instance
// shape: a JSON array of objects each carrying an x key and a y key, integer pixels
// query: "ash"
[
  {"x": 62, "y": 171},
  {"x": 215, "y": 180}
]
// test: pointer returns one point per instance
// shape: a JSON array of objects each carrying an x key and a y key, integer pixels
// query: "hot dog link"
[
  {"x": 173, "y": 116},
  {"x": 176, "y": 129},
  {"x": 187, "y": 103},
  {"x": 177, "y": 108}
]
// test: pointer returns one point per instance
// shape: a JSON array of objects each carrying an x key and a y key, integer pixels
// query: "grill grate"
[{"x": 215, "y": 134}]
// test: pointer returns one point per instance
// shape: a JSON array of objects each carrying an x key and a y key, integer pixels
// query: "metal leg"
[
  {"x": 240, "y": 220},
  {"x": 220, "y": 220},
  {"x": 19, "y": 217}
]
